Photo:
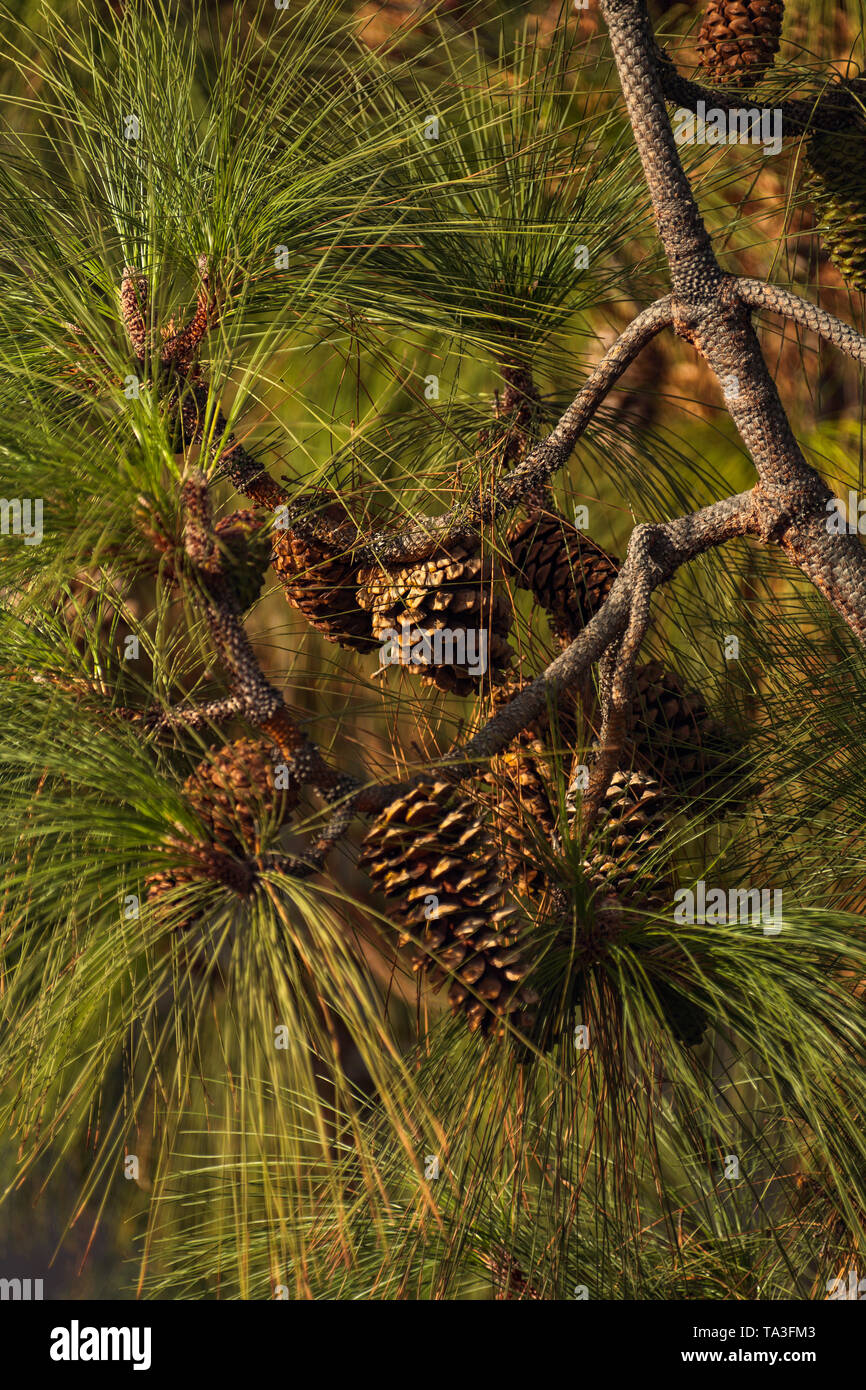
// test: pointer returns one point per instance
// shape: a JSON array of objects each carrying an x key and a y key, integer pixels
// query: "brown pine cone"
[
  {"x": 454, "y": 617},
  {"x": 624, "y": 862},
  {"x": 739, "y": 39},
  {"x": 197, "y": 863},
  {"x": 234, "y": 791},
  {"x": 320, "y": 578},
  {"x": 567, "y": 572},
  {"x": 521, "y": 810},
  {"x": 430, "y": 854},
  {"x": 507, "y": 1276},
  {"x": 674, "y": 738},
  {"x": 630, "y": 830}
]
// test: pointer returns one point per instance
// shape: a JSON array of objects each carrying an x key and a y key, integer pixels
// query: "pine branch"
[
  {"x": 791, "y": 498},
  {"x": 261, "y": 702},
  {"x": 828, "y": 111},
  {"x": 759, "y": 295}
]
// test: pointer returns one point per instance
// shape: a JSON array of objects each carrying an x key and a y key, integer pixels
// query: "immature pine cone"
[
  {"x": 837, "y": 187},
  {"x": 235, "y": 791},
  {"x": 430, "y": 854},
  {"x": 740, "y": 38}
]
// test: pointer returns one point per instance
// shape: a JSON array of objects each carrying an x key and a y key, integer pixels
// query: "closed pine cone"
[
  {"x": 630, "y": 829},
  {"x": 516, "y": 795},
  {"x": 521, "y": 810},
  {"x": 235, "y": 790},
  {"x": 320, "y": 579},
  {"x": 624, "y": 862},
  {"x": 455, "y": 594},
  {"x": 429, "y": 843},
  {"x": 837, "y": 186},
  {"x": 567, "y": 572},
  {"x": 740, "y": 38},
  {"x": 630, "y": 834}
]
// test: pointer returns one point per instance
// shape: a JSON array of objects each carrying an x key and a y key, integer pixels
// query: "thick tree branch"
[
  {"x": 656, "y": 552},
  {"x": 792, "y": 499}
]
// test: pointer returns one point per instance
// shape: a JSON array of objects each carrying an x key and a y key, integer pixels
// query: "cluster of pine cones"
[
  {"x": 445, "y": 617},
  {"x": 447, "y": 860}
]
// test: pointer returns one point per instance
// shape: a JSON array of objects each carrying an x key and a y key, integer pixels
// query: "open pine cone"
[
  {"x": 453, "y": 614},
  {"x": 739, "y": 39},
  {"x": 232, "y": 792},
  {"x": 432, "y": 857}
]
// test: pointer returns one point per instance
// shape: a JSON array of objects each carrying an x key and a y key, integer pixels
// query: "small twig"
[
  {"x": 537, "y": 466},
  {"x": 261, "y": 702},
  {"x": 617, "y": 676},
  {"x": 189, "y": 716}
]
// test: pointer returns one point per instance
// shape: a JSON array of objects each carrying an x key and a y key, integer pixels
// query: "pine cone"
[
  {"x": 514, "y": 792},
  {"x": 567, "y": 572},
  {"x": 427, "y": 844},
  {"x": 674, "y": 737},
  {"x": 630, "y": 828},
  {"x": 246, "y": 544},
  {"x": 521, "y": 809},
  {"x": 740, "y": 38},
  {"x": 450, "y": 599},
  {"x": 234, "y": 791},
  {"x": 837, "y": 187},
  {"x": 321, "y": 581}
]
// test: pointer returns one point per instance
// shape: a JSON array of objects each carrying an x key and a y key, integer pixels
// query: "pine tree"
[{"x": 385, "y": 975}]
